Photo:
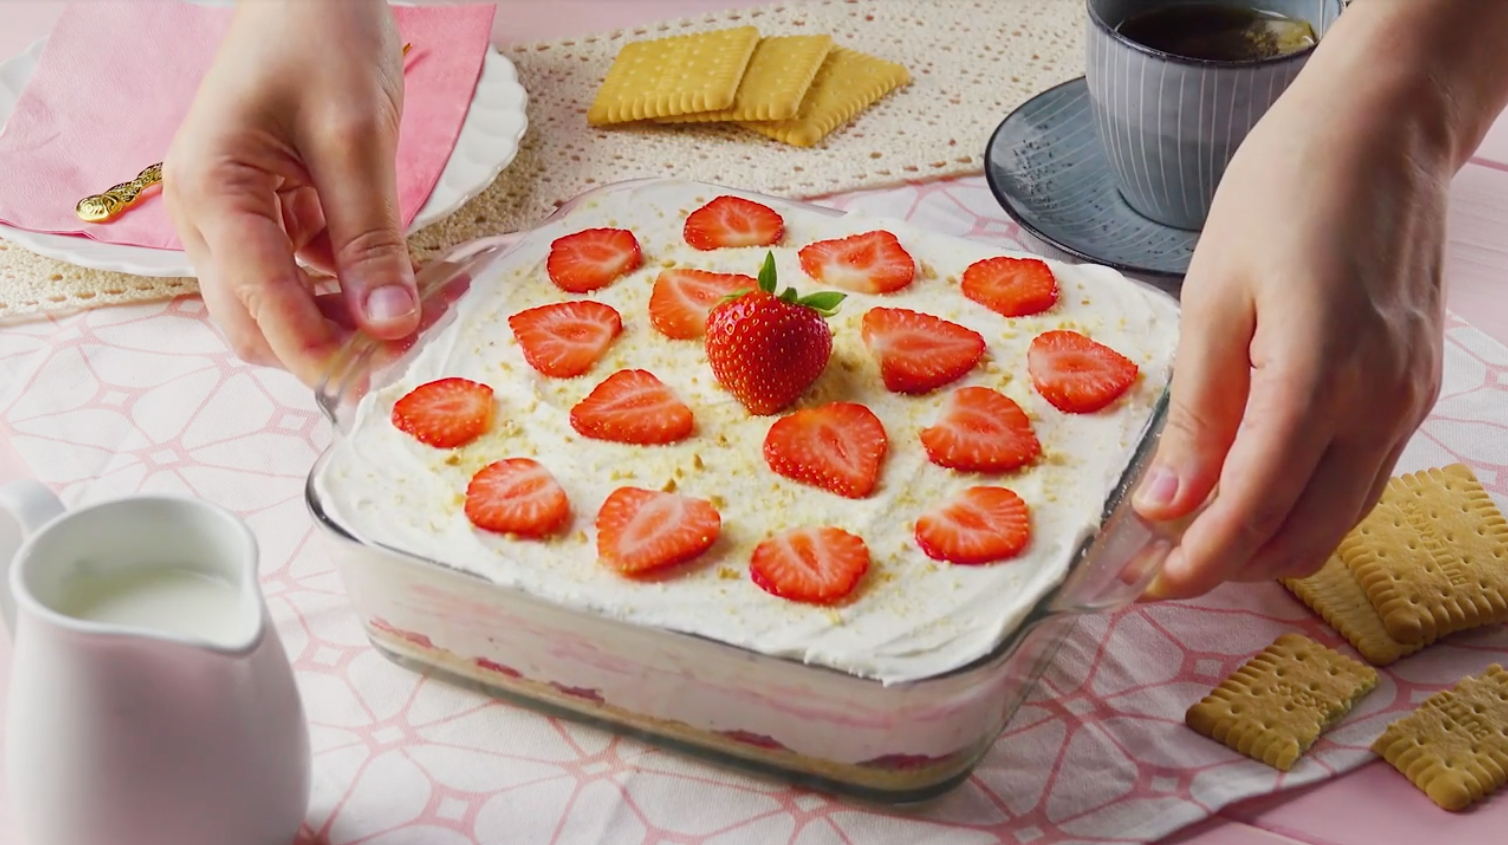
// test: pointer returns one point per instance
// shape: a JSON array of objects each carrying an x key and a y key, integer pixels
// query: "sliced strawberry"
[
  {"x": 681, "y": 300},
  {"x": 1012, "y": 287},
  {"x": 917, "y": 352},
  {"x": 445, "y": 413},
  {"x": 981, "y": 430},
  {"x": 639, "y": 530},
  {"x": 979, "y": 525},
  {"x": 592, "y": 258},
  {"x": 1076, "y": 374},
  {"x": 632, "y": 406},
  {"x": 516, "y": 496},
  {"x": 813, "y": 565},
  {"x": 733, "y": 221},
  {"x": 872, "y": 262},
  {"x": 565, "y": 339},
  {"x": 836, "y": 447},
  {"x": 751, "y": 738}
]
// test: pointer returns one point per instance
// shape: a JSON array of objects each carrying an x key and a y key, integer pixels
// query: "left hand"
[
  {"x": 288, "y": 154},
  {"x": 1311, "y": 345}
]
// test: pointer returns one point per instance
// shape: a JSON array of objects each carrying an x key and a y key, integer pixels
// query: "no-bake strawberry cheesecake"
[
  {"x": 838, "y": 439},
  {"x": 759, "y": 478}
]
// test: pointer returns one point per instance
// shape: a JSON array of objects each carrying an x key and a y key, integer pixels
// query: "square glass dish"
[{"x": 893, "y": 694}]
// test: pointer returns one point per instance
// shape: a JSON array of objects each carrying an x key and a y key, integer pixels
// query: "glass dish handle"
[
  {"x": 1121, "y": 560},
  {"x": 1130, "y": 555},
  {"x": 440, "y": 283}
]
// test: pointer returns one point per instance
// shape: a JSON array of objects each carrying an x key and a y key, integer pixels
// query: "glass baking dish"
[{"x": 897, "y": 742}]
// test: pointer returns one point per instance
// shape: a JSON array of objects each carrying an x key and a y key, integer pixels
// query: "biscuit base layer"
[
  {"x": 1276, "y": 705},
  {"x": 1454, "y": 745}
]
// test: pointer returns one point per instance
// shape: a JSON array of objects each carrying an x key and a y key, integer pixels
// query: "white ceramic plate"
[{"x": 487, "y": 143}]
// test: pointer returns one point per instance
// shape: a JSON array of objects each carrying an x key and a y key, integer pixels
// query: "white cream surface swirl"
[{"x": 911, "y": 617}]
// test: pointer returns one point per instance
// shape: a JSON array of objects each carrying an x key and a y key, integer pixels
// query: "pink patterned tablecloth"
[{"x": 150, "y": 399}]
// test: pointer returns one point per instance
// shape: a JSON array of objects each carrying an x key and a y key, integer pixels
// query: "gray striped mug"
[{"x": 1168, "y": 123}]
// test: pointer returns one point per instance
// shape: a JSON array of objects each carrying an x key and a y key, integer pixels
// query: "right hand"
[{"x": 288, "y": 154}]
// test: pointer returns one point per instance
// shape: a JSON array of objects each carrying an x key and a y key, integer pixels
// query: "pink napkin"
[{"x": 96, "y": 112}]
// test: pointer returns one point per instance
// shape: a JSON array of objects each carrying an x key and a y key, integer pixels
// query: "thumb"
[
  {"x": 1211, "y": 378},
  {"x": 357, "y": 183}
]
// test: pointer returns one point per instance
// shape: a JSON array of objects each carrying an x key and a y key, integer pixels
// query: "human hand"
[
  {"x": 1311, "y": 342},
  {"x": 288, "y": 152}
]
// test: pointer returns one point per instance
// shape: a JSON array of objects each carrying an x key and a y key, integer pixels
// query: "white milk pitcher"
[{"x": 151, "y": 702}]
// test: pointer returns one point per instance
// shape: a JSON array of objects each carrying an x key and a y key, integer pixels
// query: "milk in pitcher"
[{"x": 167, "y": 599}]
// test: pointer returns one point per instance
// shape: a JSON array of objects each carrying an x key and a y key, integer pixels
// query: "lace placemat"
[
  {"x": 971, "y": 61},
  {"x": 33, "y": 286}
]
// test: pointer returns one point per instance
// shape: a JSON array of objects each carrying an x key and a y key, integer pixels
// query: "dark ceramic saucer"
[{"x": 1046, "y": 168}]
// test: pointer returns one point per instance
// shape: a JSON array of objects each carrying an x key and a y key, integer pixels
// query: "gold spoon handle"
[
  {"x": 98, "y": 208},
  {"x": 103, "y": 206}
]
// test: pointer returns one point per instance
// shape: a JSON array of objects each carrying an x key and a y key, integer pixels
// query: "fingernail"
[
  {"x": 1159, "y": 488},
  {"x": 390, "y": 302}
]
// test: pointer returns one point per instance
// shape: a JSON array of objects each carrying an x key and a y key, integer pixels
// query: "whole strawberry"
[{"x": 767, "y": 349}]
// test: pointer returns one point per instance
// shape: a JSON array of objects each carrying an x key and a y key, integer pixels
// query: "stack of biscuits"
[
  {"x": 797, "y": 89},
  {"x": 1430, "y": 560}
]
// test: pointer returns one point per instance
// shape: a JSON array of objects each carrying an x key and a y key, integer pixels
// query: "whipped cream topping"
[{"x": 911, "y": 617}]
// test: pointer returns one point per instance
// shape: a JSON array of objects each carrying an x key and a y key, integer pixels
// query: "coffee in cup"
[{"x": 1219, "y": 32}]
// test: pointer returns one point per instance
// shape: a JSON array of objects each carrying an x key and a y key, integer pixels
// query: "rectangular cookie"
[
  {"x": 679, "y": 74},
  {"x": 1454, "y": 745},
  {"x": 1432, "y": 557},
  {"x": 847, "y": 83},
  {"x": 1274, "y": 707},
  {"x": 779, "y": 74},
  {"x": 1334, "y": 594}
]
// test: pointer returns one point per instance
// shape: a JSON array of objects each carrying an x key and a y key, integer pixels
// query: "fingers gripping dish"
[{"x": 759, "y": 461}]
